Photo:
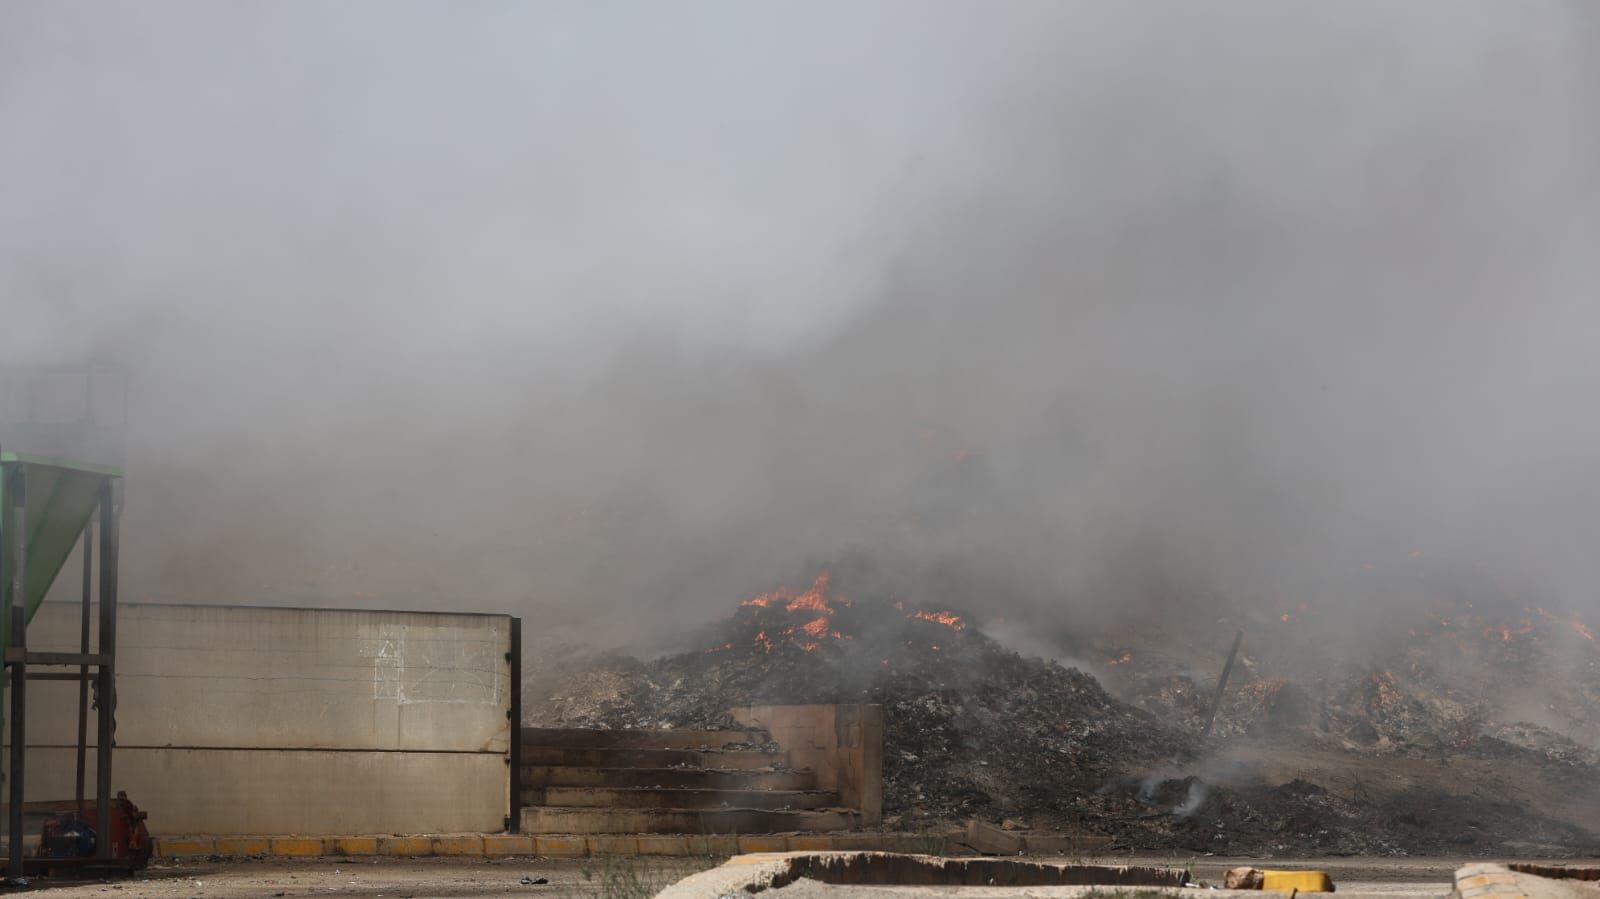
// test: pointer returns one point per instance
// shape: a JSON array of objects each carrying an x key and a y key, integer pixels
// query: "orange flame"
[
  {"x": 816, "y": 627},
  {"x": 953, "y": 622},
  {"x": 815, "y": 599},
  {"x": 808, "y": 635},
  {"x": 1125, "y": 657}
]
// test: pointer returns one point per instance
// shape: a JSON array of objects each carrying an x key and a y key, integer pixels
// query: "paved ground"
[{"x": 635, "y": 878}]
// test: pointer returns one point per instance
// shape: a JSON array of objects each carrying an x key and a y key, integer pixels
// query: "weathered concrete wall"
[
  {"x": 235, "y": 720},
  {"x": 842, "y": 743}
]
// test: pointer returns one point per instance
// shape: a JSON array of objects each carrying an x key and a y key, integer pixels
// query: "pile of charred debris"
[{"x": 974, "y": 730}]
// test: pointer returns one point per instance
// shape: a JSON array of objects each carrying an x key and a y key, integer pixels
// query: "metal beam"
[{"x": 16, "y": 654}]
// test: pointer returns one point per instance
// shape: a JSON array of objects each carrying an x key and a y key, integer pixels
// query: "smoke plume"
[{"x": 611, "y": 314}]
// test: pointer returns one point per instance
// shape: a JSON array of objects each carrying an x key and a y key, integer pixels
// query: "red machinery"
[{"x": 68, "y": 841}]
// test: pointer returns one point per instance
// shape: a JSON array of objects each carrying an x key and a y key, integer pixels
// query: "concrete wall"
[
  {"x": 235, "y": 720},
  {"x": 842, "y": 743}
]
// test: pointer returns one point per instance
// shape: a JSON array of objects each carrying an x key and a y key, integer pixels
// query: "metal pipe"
[{"x": 1222, "y": 684}]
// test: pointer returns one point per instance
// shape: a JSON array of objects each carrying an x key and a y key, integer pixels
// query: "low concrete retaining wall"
[
  {"x": 842, "y": 743},
  {"x": 244, "y": 720},
  {"x": 749, "y": 874}
]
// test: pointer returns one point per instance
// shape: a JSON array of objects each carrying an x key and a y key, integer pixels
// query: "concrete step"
[
  {"x": 576, "y": 738},
  {"x": 648, "y": 797},
  {"x": 680, "y": 778},
  {"x": 623, "y": 757},
  {"x": 563, "y": 820}
]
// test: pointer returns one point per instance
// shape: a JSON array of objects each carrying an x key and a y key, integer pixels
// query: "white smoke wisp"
[{"x": 611, "y": 315}]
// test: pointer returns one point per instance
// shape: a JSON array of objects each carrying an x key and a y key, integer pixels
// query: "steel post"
[
  {"x": 83, "y": 670},
  {"x": 514, "y": 748},
  {"x": 107, "y": 679},
  {"x": 17, "y": 495}
]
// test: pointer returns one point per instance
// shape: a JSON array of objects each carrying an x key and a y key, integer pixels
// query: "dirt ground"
[
  {"x": 632, "y": 878},
  {"x": 390, "y": 878}
]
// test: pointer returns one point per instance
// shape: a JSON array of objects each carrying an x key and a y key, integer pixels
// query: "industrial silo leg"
[
  {"x": 17, "y": 648},
  {"x": 108, "y": 690}
]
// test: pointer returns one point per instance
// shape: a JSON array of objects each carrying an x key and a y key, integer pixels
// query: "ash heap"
[{"x": 1355, "y": 760}]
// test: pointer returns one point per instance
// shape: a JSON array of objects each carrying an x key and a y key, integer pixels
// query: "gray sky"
[{"x": 614, "y": 313}]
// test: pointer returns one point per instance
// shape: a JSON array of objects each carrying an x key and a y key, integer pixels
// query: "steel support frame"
[
  {"x": 17, "y": 660},
  {"x": 514, "y": 748}
]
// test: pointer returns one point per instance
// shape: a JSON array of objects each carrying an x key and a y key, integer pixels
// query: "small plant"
[
  {"x": 618, "y": 877},
  {"x": 637, "y": 877},
  {"x": 928, "y": 841}
]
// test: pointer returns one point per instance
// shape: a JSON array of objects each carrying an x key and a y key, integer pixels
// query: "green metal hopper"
[
  {"x": 46, "y": 505},
  {"x": 61, "y": 496}
]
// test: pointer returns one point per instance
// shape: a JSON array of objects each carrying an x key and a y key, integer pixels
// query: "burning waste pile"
[
  {"x": 1467, "y": 684},
  {"x": 975, "y": 730},
  {"x": 971, "y": 728}
]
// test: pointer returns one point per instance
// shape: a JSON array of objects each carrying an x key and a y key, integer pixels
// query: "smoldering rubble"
[{"x": 975, "y": 730}]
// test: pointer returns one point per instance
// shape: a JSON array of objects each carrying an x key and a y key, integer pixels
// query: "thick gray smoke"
[{"x": 610, "y": 314}]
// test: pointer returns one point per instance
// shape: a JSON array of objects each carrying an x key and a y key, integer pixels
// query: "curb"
[
  {"x": 474, "y": 845},
  {"x": 1488, "y": 881}
]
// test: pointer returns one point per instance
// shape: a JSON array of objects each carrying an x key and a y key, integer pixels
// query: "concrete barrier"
[
  {"x": 842, "y": 743},
  {"x": 235, "y": 721},
  {"x": 747, "y": 874}
]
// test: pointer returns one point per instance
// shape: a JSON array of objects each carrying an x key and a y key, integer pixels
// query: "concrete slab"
[
  {"x": 858, "y": 872},
  {"x": 1496, "y": 881},
  {"x": 313, "y": 722}
]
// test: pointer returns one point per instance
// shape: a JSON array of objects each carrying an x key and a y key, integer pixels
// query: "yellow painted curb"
[
  {"x": 497, "y": 845},
  {"x": 243, "y": 845},
  {"x": 297, "y": 847},
  {"x": 171, "y": 847},
  {"x": 687, "y": 845},
  {"x": 1304, "y": 881},
  {"x": 405, "y": 846},
  {"x": 458, "y": 846},
  {"x": 561, "y": 847},
  {"x": 612, "y": 845},
  {"x": 800, "y": 843},
  {"x": 351, "y": 846}
]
